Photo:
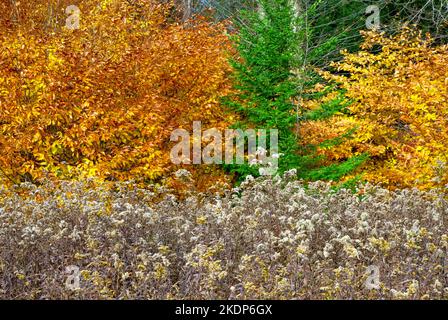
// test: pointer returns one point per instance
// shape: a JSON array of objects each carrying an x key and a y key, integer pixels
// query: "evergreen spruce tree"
[{"x": 270, "y": 75}]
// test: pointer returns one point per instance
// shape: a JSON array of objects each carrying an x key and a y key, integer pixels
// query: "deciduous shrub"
[
  {"x": 397, "y": 91},
  {"x": 103, "y": 100}
]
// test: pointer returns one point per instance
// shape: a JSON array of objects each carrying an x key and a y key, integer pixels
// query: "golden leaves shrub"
[
  {"x": 103, "y": 100},
  {"x": 399, "y": 89}
]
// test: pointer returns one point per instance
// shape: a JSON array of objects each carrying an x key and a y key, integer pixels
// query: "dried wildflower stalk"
[{"x": 268, "y": 239}]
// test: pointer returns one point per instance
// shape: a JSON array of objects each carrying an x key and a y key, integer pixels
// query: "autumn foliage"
[
  {"x": 103, "y": 100},
  {"x": 398, "y": 89}
]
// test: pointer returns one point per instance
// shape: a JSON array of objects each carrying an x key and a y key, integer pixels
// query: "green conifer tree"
[{"x": 270, "y": 74}]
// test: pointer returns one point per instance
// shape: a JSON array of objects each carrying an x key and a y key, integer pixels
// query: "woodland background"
[
  {"x": 86, "y": 176},
  {"x": 102, "y": 100}
]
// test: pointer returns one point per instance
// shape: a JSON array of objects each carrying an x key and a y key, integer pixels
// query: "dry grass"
[{"x": 269, "y": 239}]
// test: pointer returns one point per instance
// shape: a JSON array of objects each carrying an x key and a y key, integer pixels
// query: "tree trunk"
[{"x": 187, "y": 9}]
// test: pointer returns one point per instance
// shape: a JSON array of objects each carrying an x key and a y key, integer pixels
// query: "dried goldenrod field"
[{"x": 268, "y": 239}]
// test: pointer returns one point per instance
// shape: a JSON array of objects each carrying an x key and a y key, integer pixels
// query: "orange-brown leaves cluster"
[
  {"x": 399, "y": 86},
  {"x": 103, "y": 100}
]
